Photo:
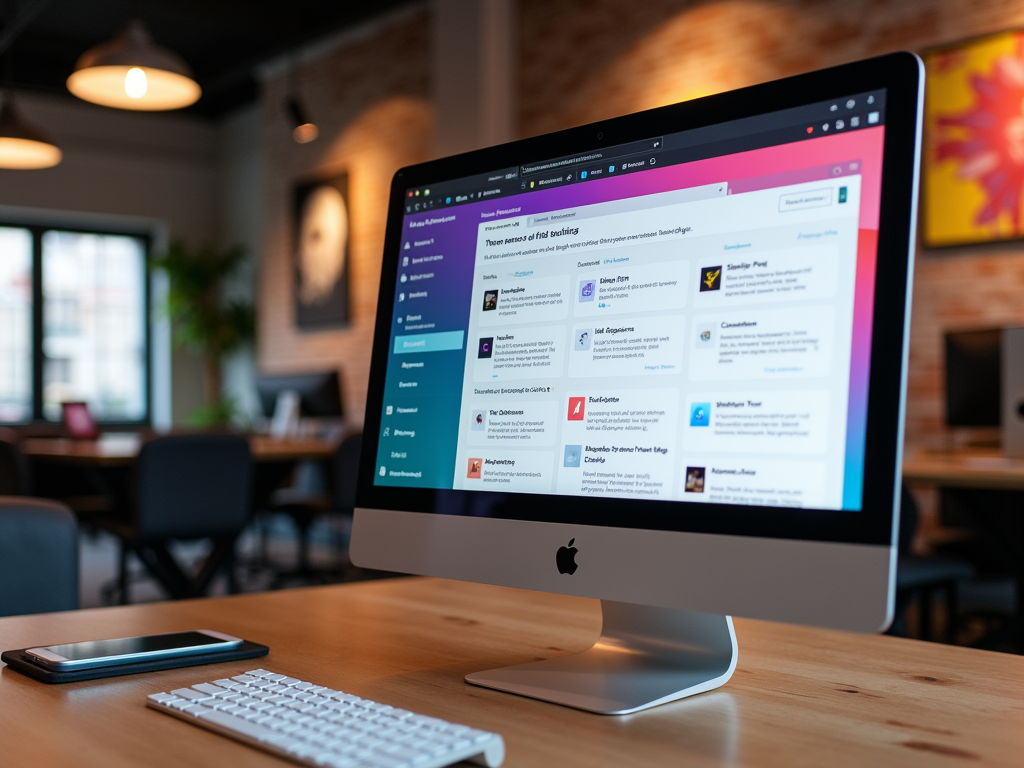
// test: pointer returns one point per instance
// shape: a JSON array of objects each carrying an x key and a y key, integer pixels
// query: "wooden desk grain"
[
  {"x": 97, "y": 453},
  {"x": 799, "y": 696}
]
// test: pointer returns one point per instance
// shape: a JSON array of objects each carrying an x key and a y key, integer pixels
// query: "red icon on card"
[{"x": 577, "y": 405}]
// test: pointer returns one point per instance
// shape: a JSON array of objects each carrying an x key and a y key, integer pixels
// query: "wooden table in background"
[
  {"x": 799, "y": 696},
  {"x": 984, "y": 468},
  {"x": 115, "y": 450},
  {"x": 105, "y": 465},
  {"x": 994, "y": 484}
]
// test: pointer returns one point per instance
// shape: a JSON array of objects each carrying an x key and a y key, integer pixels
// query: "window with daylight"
[{"x": 73, "y": 324}]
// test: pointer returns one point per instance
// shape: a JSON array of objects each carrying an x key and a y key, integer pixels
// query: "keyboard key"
[
  {"x": 188, "y": 693},
  {"x": 207, "y": 688},
  {"x": 283, "y": 742},
  {"x": 244, "y": 727},
  {"x": 196, "y": 710}
]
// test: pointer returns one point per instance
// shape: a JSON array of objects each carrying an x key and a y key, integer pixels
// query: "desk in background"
[
  {"x": 984, "y": 468},
  {"x": 998, "y": 482},
  {"x": 799, "y": 696},
  {"x": 120, "y": 451},
  {"x": 105, "y": 465}
]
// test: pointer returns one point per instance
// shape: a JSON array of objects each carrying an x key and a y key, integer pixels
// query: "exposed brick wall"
[
  {"x": 370, "y": 101},
  {"x": 585, "y": 60}
]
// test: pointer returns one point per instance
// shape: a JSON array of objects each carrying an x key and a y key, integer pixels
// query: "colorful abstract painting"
[{"x": 974, "y": 142}]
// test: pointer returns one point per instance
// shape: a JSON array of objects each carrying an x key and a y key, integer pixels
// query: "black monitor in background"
[
  {"x": 319, "y": 393},
  {"x": 974, "y": 378}
]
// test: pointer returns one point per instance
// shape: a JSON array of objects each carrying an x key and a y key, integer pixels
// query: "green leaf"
[{"x": 203, "y": 320}]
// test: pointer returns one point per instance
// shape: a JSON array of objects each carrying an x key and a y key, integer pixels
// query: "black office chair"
[
  {"x": 38, "y": 557},
  {"x": 188, "y": 487},
  {"x": 305, "y": 508},
  {"x": 920, "y": 579},
  {"x": 14, "y": 470}
]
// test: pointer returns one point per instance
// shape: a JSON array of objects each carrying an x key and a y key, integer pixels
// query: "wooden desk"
[
  {"x": 966, "y": 468},
  {"x": 123, "y": 452},
  {"x": 799, "y": 696}
]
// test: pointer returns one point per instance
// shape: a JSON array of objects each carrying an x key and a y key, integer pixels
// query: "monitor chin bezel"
[
  {"x": 902, "y": 76},
  {"x": 824, "y": 584}
]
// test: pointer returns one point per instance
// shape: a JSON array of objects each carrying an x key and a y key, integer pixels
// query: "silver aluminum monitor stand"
[{"x": 644, "y": 657}]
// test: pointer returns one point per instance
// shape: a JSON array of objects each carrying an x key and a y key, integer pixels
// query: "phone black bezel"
[{"x": 900, "y": 75}]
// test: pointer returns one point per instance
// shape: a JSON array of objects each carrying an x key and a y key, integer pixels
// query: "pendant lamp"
[
  {"x": 23, "y": 146},
  {"x": 304, "y": 130},
  {"x": 132, "y": 72}
]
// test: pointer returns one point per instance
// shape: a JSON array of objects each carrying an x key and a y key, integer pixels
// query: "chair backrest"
[
  {"x": 908, "y": 521},
  {"x": 193, "y": 486},
  {"x": 38, "y": 557},
  {"x": 346, "y": 472},
  {"x": 14, "y": 480}
]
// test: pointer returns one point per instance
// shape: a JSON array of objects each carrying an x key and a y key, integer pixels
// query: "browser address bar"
[{"x": 622, "y": 150}]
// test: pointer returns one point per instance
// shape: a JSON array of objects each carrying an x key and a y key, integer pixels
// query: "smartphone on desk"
[{"x": 126, "y": 650}]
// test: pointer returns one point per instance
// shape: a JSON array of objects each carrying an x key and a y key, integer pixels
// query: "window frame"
[{"x": 38, "y": 314}]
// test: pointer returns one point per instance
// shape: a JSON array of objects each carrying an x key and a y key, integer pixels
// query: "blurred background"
[{"x": 209, "y": 263}]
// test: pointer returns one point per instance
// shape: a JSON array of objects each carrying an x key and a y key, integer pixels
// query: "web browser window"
[{"x": 678, "y": 322}]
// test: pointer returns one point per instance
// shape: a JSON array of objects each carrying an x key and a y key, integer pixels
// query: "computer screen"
[
  {"x": 319, "y": 392},
  {"x": 974, "y": 377},
  {"x": 685, "y": 317}
]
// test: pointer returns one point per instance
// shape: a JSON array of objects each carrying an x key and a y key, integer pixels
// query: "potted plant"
[{"x": 204, "y": 320}]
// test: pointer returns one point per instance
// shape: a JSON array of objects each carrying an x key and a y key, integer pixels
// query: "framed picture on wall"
[
  {"x": 973, "y": 168},
  {"x": 322, "y": 253}
]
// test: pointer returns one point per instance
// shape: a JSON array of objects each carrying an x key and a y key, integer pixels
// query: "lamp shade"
[
  {"x": 23, "y": 146},
  {"x": 132, "y": 72},
  {"x": 305, "y": 130}
]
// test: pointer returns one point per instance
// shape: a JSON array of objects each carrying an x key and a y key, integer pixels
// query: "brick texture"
[
  {"x": 371, "y": 103},
  {"x": 586, "y": 60}
]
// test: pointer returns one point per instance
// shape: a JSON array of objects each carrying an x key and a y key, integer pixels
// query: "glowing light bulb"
[
  {"x": 135, "y": 84},
  {"x": 305, "y": 133}
]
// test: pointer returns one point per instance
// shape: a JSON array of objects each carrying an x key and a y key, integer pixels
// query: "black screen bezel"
[{"x": 900, "y": 75}]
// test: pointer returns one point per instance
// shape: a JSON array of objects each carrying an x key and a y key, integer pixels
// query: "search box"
[{"x": 798, "y": 201}]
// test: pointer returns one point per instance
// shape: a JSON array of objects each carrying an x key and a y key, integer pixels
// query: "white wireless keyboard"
[{"x": 314, "y": 725}]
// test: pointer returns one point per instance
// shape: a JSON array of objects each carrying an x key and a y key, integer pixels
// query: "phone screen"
[{"x": 128, "y": 645}]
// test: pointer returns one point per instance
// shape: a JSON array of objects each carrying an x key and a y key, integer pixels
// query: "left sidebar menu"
[{"x": 426, "y": 357}]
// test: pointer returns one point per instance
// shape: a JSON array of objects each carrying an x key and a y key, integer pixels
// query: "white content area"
[{"x": 691, "y": 345}]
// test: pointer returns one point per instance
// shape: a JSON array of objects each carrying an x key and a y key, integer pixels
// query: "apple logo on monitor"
[{"x": 565, "y": 559}]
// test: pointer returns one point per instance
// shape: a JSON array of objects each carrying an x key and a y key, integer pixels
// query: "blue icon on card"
[
  {"x": 573, "y": 453},
  {"x": 583, "y": 174},
  {"x": 700, "y": 414},
  {"x": 611, "y": 169}
]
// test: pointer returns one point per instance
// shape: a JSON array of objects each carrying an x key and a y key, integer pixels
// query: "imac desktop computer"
[{"x": 659, "y": 361}]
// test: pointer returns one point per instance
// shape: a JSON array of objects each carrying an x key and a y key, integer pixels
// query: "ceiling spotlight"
[
  {"x": 304, "y": 130},
  {"x": 132, "y": 72},
  {"x": 22, "y": 146}
]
